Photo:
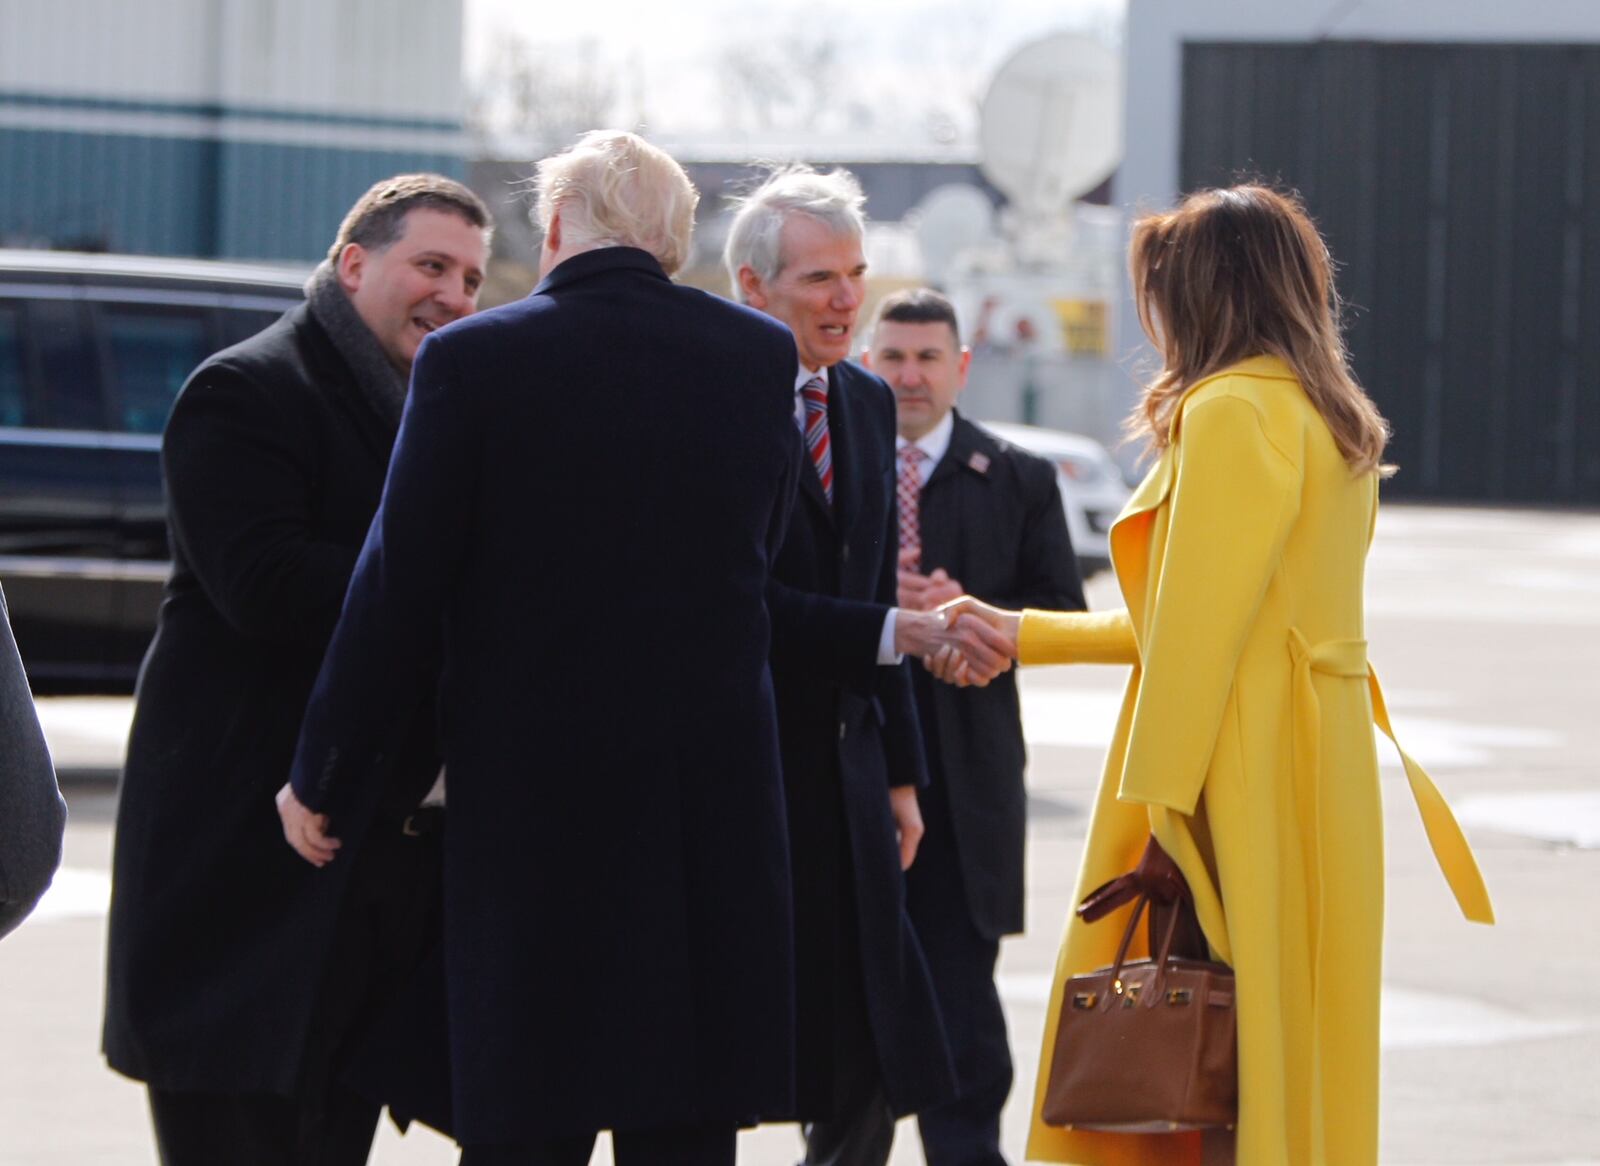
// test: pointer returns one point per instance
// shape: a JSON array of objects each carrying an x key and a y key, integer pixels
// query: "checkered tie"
[
  {"x": 909, "y": 494},
  {"x": 814, "y": 393}
]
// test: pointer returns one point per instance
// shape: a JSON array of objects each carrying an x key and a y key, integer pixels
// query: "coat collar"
[
  {"x": 1157, "y": 484},
  {"x": 596, "y": 262}
]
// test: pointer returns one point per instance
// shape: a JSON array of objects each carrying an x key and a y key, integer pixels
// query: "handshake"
[{"x": 961, "y": 640}]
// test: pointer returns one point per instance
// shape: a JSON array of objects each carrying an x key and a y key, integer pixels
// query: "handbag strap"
[{"x": 1159, "y": 957}]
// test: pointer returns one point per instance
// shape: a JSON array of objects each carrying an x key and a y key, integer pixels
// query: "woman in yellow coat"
[{"x": 1245, "y": 739}]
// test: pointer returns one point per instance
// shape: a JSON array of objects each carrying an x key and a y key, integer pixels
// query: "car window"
[
  {"x": 13, "y": 405},
  {"x": 67, "y": 362},
  {"x": 153, "y": 351},
  {"x": 241, "y": 323}
]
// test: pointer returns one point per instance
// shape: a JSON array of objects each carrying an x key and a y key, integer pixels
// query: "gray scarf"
[{"x": 382, "y": 386}]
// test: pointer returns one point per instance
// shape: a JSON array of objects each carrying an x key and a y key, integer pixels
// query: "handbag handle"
[{"x": 1160, "y": 956}]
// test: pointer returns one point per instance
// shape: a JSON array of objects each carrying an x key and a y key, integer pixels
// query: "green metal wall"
[{"x": 1459, "y": 189}]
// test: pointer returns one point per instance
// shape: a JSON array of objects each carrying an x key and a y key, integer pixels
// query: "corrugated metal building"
[
  {"x": 223, "y": 128},
  {"x": 1449, "y": 149}
]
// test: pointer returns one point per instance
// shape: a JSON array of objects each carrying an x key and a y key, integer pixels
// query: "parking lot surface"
[{"x": 1485, "y": 626}]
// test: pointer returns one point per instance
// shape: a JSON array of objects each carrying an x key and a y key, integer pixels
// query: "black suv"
[{"x": 93, "y": 348}]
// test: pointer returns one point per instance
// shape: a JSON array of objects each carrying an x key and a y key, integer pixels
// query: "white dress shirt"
[
  {"x": 933, "y": 443},
  {"x": 886, "y": 653}
]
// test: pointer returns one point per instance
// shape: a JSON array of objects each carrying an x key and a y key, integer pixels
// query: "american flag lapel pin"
[{"x": 979, "y": 462}]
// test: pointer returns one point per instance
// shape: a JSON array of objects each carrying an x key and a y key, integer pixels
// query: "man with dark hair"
[
  {"x": 237, "y": 983},
  {"x": 982, "y": 517}
]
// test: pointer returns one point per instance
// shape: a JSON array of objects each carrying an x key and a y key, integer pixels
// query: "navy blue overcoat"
[
  {"x": 586, "y": 496},
  {"x": 849, "y": 732}
]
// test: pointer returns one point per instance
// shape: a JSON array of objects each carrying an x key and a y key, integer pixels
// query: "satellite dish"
[
  {"x": 949, "y": 220},
  {"x": 1051, "y": 125}
]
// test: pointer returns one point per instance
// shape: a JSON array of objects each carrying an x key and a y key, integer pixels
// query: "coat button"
[
  {"x": 841, "y": 730},
  {"x": 844, "y": 553}
]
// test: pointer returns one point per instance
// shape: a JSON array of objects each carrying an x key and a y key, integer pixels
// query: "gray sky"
[{"x": 908, "y": 74}]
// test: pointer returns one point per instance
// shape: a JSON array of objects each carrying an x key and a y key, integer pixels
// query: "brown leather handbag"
[{"x": 1146, "y": 1046}]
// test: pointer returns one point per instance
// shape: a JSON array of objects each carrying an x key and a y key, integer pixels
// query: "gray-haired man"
[{"x": 852, "y": 754}]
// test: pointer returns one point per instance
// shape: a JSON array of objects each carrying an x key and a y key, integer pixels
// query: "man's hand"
[
  {"x": 919, "y": 592},
  {"x": 907, "y": 821},
  {"x": 920, "y": 633},
  {"x": 981, "y": 643},
  {"x": 306, "y": 831},
  {"x": 1008, "y": 623}
]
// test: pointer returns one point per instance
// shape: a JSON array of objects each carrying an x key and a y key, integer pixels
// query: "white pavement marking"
[
  {"x": 1423, "y": 1020},
  {"x": 86, "y": 731},
  {"x": 1084, "y": 718},
  {"x": 1569, "y": 816},
  {"x": 1079, "y": 718},
  {"x": 74, "y": 894},
  {"x": 1411, "y": 1019},
  {"x": 1442, "y": 744}
]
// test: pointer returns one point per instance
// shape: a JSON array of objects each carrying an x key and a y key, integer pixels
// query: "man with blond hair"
[{"x": 589, "y": 489}]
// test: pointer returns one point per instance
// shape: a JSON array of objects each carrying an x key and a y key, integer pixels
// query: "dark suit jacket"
[
  {"x": 849, "y": 732},
  {"x": 586, "y": 497},
  {"x": 272, "y": 464},
  {"x": 991, "y": 516}
]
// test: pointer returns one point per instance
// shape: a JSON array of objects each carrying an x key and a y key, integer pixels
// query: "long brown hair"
[{"x": 1240, "y": 272}]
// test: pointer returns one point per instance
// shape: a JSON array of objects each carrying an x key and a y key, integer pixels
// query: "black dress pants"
[
  {"x": 966, "y": 1131},
  {"x": 698, "y": 1146},
  {"x": 391, "y": 910}
]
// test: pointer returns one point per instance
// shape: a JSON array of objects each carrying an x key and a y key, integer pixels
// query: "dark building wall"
[{"x": 1459, "y": 189}]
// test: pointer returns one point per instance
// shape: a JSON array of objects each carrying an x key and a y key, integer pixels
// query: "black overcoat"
[
  {"x": 273, "y": 464},
  {"x": 991, "y": 516},
  {"x": 585, "y": 498},
  {"x": 849, "y": 732}
]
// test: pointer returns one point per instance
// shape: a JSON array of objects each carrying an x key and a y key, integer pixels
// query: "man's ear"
[
  {"x": 751, "y": 289},
  {"x": 350, "y": 267},
  {"x": 962, "y": 364},
  {"x": 866, "y": 358},
  {"x": 552, "y": 237}
]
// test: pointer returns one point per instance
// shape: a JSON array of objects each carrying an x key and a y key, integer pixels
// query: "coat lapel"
[
  {"x": 846, "y": 473},
  {"x": 811, "y": 485},
  {"x": 1130, "y": 537},
  {"x": 942, "y": 525}
]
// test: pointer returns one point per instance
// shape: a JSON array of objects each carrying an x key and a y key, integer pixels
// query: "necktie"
[
  {"x": 814, "y": 393},
  {"x": 909, "y": 493}
]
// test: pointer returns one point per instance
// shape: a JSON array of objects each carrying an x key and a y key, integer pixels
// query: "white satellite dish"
[
  {"x": 949, "y": 220},
  {"x": 1051, "y": 125}
]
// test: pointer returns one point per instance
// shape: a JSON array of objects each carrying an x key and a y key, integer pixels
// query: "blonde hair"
[
  {"x": 1240, "y": 272},
  {"x": 614, "y": 189}
]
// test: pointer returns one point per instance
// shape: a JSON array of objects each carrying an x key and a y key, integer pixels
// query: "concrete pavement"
[{"x": 1485, "y": 626}]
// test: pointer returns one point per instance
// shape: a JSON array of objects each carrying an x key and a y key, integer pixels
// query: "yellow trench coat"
[{"x": 1245, "y": 744}]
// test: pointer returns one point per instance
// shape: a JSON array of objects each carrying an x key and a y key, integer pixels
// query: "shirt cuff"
[{"x": 886, "y": 653}]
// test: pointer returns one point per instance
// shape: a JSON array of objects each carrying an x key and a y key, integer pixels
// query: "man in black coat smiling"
[
  {"x": 588, "y": 492},
  {"x": 227, "y": 989}
]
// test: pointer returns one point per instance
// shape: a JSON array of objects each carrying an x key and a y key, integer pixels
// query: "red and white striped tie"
[
  {"x": 814, "y": 393},
  {"x": 909, "y": 493}
]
